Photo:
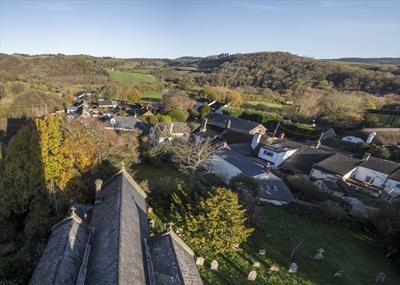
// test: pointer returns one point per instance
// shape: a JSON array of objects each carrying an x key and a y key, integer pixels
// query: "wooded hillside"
[{"x": 283, "y": 71}]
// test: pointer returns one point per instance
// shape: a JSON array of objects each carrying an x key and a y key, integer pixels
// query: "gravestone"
[
  {"x": 380, "y": 277},
  {"x": 274, "y": 268},
  {"x": 293, "y": 268},
  {"x": 261, "y": 252},
  {"x": 338, "y": 274},
  {"x": 200, "y": 261},
  {"x": 321, "y": 250},
  {"x": 319, "y": 256},
  {"x": 214, "y": 265},
  {"x": 252, "y": 275},
  {"x": 256, "y": 264}
]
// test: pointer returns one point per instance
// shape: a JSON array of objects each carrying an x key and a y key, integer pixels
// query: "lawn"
[
  {"x": 280, "y": 231},
  {"x": 153, "y": 96},
  {"x": 267, "y": 104},
  {"x": 151, "y": 173},
  {"x": 130, "y": 76}
]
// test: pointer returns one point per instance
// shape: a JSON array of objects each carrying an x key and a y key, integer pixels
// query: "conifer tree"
[{"x": 218, "y": 223}]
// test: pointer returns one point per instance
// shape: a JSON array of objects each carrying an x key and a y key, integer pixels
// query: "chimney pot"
[{"x": 99, "y": 184}]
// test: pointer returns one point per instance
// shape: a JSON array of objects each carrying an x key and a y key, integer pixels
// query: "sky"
[{"x": 171, "y": 29}]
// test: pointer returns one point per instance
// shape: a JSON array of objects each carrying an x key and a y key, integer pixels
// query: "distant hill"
[
  {"x": 51, "y": 69},
  {"x": 284, "y": 71},
  {"x": 378, "y": 60}
]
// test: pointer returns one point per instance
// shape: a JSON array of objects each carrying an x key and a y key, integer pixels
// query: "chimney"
[
  {"x": 171, "y": 128},
  {"x": 267, "y": 168},
  {"x": 366, "y": 156},
  {"x": 370, "y": 138},
  {"x": 204, "y": 125},
  {"x": 319, "y": 140},
  {"x": 256, "y": 140},
  {"x": 282, "y": 135},
  {"x": 228, "y": 125},
  {"x": 98, "y": 183}
]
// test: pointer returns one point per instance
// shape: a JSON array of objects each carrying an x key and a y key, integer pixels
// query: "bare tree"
[{"x": 190, "y": 156}]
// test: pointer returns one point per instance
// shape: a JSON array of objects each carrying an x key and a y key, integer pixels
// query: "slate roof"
[
  {"x": 274, "y": 189},
  {"x": 120, "y": 221},
  {"x": 338, "y": 164},
  {"x": 63, "y": 256},
  {"x": 380, "y": 165},
  {"x": 164, "y": 129},
  {"x": 395, "y": 175},
  {"x": 114, "y": 248},
  {"x": 129, "y": 123},
  {"x": 304, "y": 158},
  {"x": 237, "y": 124},
  {"x": 245, "y": 165},
  {"x": 384, "y": 136},
  {"x": 173, "y": 261}
]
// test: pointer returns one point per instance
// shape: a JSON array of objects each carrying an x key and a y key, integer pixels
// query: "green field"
[
  {"x": 130, "y": 76},
  {"x": 151, "y": 96},
  {"x": 267, "y": 104},
  {"x": 279, "y": 230}
]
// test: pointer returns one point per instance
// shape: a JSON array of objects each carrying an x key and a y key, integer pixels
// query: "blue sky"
[{"x": 315, "y": 28}]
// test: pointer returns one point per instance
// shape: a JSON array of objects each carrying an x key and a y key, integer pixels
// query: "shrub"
[{"x": 178, "y": 115}]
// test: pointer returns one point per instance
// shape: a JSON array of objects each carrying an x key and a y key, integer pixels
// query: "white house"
[
  {"x": 275, "y": 153},
  {"x": 375, "y": 171},
  {"x": 227, "y": 164},
  {"x": 162, "y": 132}
]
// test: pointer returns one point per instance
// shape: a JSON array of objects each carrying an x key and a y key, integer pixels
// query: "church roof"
[
  {"x": 120, "y": 222},
  {"x": 63, "y": 256},
  {"x": 173, "y": 261}
]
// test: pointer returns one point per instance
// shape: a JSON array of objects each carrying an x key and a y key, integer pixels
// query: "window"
[
  {"x": 397, "y": 185},
  {"x": 369, "y": 180},
  {"x": 268, "y": 153}
]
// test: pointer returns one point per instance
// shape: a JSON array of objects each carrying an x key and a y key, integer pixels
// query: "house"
[
  {"x": 110, "y": 244},
  {"x": 107, "y": 104},
  {"x": 227, "y": 164},
  {"x": 240, "y": 126},
  {"x": 201, "y": 101},
  {"x": 303, "y": 160},
  {"x": 162, "y": 132},
  {"x": 392, "y": 186},
  {"x": 127, "y": 123},
  {"x": 375, "y": 171},
  {"x": 215, "y": 106},
  {"x": 380, "y": 136},
  {"x": 337, "y": 166},
  {"x": 276, "y": 153}
]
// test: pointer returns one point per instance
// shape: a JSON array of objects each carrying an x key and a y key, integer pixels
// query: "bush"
[
  {"x": 308, "y": 191},
  {"x": 178, "y": 115},
  {"x": 165, "y": 119}
]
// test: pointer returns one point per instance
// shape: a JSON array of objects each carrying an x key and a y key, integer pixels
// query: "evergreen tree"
[
  {"x": 218, "y": 223},
  {"x": 205, "y": 109}
]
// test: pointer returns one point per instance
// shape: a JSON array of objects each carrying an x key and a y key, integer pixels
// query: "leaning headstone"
[
  {"x": 200, "y": 261},
  {"x": 293, "y": 268},
  {"x": 274, "y": 268},
  {"x": 338, "y": 274},
  {"x": 261, "y": 252},
  {"x": 214, "y": 265},
  {"x": 256, "y": 264},
  {"x": 252, "y": 275},
  {"x": 319, "y": 256},
  {"x": 321, "y": 250},
  {"x": 380, "y": 277}
]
